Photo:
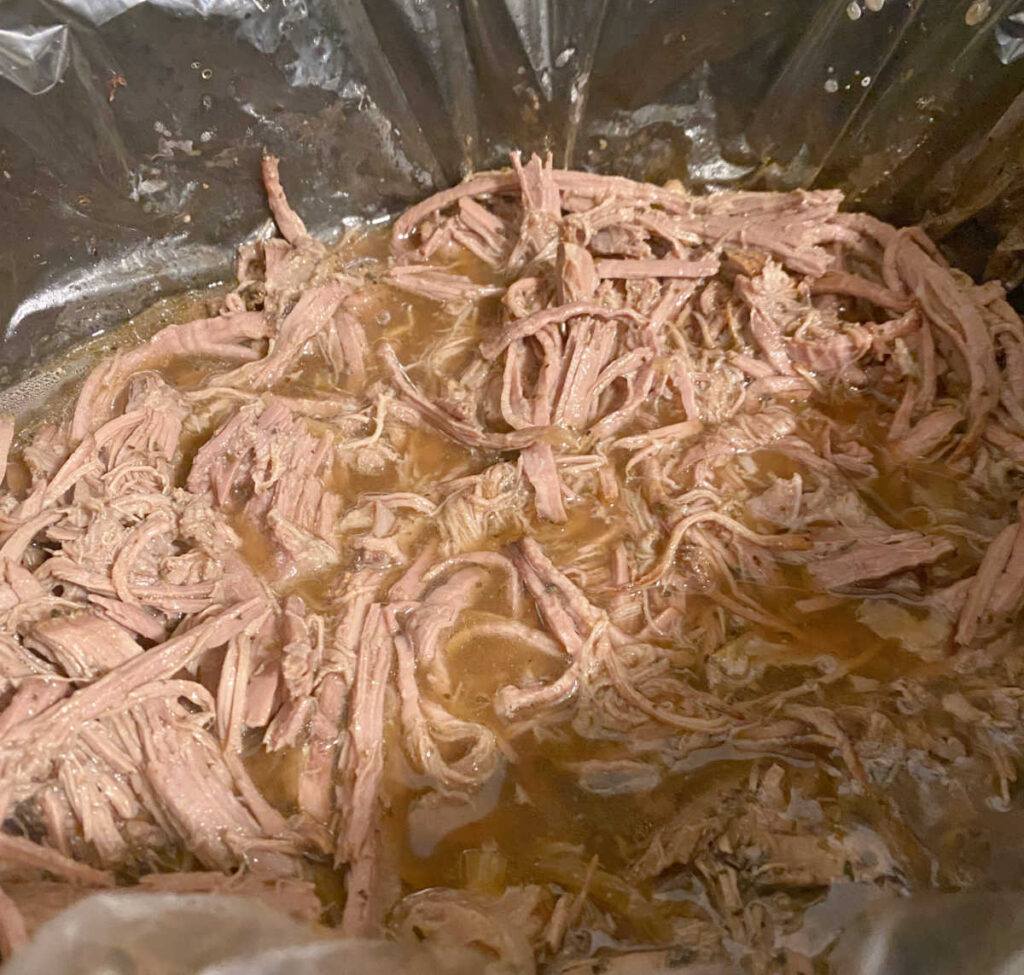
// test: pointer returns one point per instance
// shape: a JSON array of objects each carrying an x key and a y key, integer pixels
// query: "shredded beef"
[{"x": 591, "y": 491}]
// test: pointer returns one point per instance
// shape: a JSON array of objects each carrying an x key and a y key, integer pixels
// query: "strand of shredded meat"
[{"x": 724, "y": 482}]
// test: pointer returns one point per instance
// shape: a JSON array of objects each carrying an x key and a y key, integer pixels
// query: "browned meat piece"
[
  {"x": 996, "y": 588},
  {"x": 958, "y": 315},
  {"x": 316, "y": 780},
  {"x": 21, "y": 852},
  {"x": 461, "y": 432},
  {"x": 540, "y": 469},
  {"x": 480, "y": 185},
  {"x": 194, "y": 792},
  {"x": 869, "y": 560},
  {"x": 493, "y": 346},
  {"x": 841, "y": 282},
  {"x": 50, "y": 726},
  {"x": 502, "y": 928},
  {"x": 664, "y": 268},
  {"x": 82, "y": 644},
  {"x": 311, "y": 316},
  {"x": 438, "y": 285},
  {"x": 362, "y": 764},
  {"x": 927, "y": 434},
  {"x": 539, "y": 228},
  {"x": 481, "y": 232},
  {"x": 288, "y": 221},
  {"x": 221, "y": 337},
  {"x": 577, "y": 275},
  {"x": 830, "y": 356}
]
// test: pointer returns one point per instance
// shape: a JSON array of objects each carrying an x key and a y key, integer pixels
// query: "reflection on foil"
[
  {"x": 1009, "y": 38},
  {"x": 34, "y": 58},
  {"x": 697, "y": 120},
  {"x": 533, "y": 25},
  {"x": 167, "y": 261},
  {"x": 100, "y": 12}
]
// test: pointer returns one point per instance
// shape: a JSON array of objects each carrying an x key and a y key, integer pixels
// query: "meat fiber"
[
  {"x": 868, "y": 560},
  {"x": 362, "y": 762}
]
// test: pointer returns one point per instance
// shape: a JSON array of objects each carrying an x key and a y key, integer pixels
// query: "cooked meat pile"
[{"x": 606, "y": 569}]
